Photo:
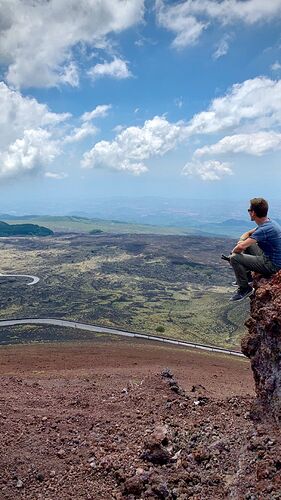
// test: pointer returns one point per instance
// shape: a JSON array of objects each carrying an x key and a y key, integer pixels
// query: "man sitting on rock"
[{"x": 257, "y": 250}]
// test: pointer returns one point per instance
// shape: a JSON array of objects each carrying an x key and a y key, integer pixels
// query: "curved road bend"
[
  {"x": 113, "y": 331},
  {"x": 34, "y": 279}
]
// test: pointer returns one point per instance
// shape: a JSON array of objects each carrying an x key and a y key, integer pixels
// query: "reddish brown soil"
[{"x": 98, "y": 421}]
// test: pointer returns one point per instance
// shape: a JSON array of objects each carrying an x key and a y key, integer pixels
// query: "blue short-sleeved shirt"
[{"x": 268, "y": 236}]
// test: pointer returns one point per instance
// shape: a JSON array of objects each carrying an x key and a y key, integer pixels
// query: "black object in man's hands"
[{"x": 225, "y": 257}]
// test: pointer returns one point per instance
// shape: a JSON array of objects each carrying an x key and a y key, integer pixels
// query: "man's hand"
[{"x": 246, "y": 235}]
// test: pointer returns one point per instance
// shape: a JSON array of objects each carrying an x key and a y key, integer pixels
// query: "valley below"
[{"x": 174, "y": 286}]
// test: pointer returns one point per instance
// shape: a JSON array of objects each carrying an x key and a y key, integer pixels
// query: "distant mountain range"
[
  {"x": 23, "y": 230},
  {"x": 232, "y": 228}
]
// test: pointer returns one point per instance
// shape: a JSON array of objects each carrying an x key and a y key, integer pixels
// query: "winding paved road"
[
  {"x": 34, "y": 279},
  {"x": 100, "y": 329},
  {"x": 113, "y": 331}
]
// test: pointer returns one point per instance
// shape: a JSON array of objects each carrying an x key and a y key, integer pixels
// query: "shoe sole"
[
  {"x": 234, "y": 284},
  {"x": 242, "y": 298}
]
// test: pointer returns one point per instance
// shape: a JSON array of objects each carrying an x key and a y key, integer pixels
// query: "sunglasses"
[{"x": 250, "y": 210}]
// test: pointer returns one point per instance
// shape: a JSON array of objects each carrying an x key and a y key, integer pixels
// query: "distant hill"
[
  {"x": 23, "y": 230},
  {"x": 232, "y": 228},
  {"x": 78, "y": 224}
]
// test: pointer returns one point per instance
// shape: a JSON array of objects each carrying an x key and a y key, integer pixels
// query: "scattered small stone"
[
  {"x": 19, "y": 484},
  {"x": 156, "y": 454},
  {"x": 167, "y": 373},
  {"x": 198, "y": 388},
  {"x": 200, "y": 455},
  {"x": 176, "y": 455},
  {"x": 133, "y": 486},
  {"x": 160, "y": 434}
]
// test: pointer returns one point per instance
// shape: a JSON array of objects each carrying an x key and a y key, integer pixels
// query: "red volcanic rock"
[{"x": 262, "y": 344}]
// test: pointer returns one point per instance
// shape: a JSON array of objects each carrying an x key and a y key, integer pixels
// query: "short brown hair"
[{"x": 259, "y": 206}]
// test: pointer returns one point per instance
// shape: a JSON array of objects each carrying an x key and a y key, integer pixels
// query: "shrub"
[{"x": 160, "y": 329}]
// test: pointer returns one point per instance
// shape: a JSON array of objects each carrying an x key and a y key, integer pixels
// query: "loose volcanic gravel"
[{"x": 107, "y": 431}]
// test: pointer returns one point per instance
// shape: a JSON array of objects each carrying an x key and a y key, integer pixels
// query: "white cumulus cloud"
[
  {"x": 256, "y": 144},
  {"x": 19, "y": 113},
  {"x": 211, "y": 170},
  {"x": 134, "y": 145},
  {"x": 115, "y": 69},
  {"x": 253, "y": 104},
  {"x": 256, "y": 101},
  {"x": 37, "y": 38},
  {"x": 29, "y": 133},
  {"x": 28, "y": 154}
]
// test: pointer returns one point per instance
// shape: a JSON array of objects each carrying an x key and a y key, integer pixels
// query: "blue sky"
[{"x": 139, "y": 98}]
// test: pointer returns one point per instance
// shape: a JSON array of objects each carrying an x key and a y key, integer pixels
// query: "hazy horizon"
[{"x": 147, "y": 210}]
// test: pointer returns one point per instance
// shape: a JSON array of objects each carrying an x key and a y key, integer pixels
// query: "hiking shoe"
[
  {"x": 242, "y": 293},
  {"x": 234, "y": 283}
]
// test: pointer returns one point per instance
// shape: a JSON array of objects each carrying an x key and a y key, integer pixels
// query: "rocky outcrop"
[{"x": 262, "y": 344}]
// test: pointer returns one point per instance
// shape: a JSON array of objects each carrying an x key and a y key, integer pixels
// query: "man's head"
[{"x": 258, "y": 208}]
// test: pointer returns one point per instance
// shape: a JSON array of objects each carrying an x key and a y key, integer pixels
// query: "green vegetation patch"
[{"x": 23, "y": 230}]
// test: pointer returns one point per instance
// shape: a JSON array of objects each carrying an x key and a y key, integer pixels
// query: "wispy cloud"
[
  {"x": 188, "y": 19},
  {"x": 179, "y": 102},
  {"x": 115, "y": 69},
  {"x": 222, "y": 48},
  {"x": 99, "y": 112},
  {"x": 276, "y": 66},
  {"x": 56, "y": 175},
  {"x": 177, "y": 19},
  {"x": 80, "y": 133}
]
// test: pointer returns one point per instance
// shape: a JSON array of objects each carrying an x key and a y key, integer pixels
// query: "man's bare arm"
[{"x": 242, "y": 245}]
